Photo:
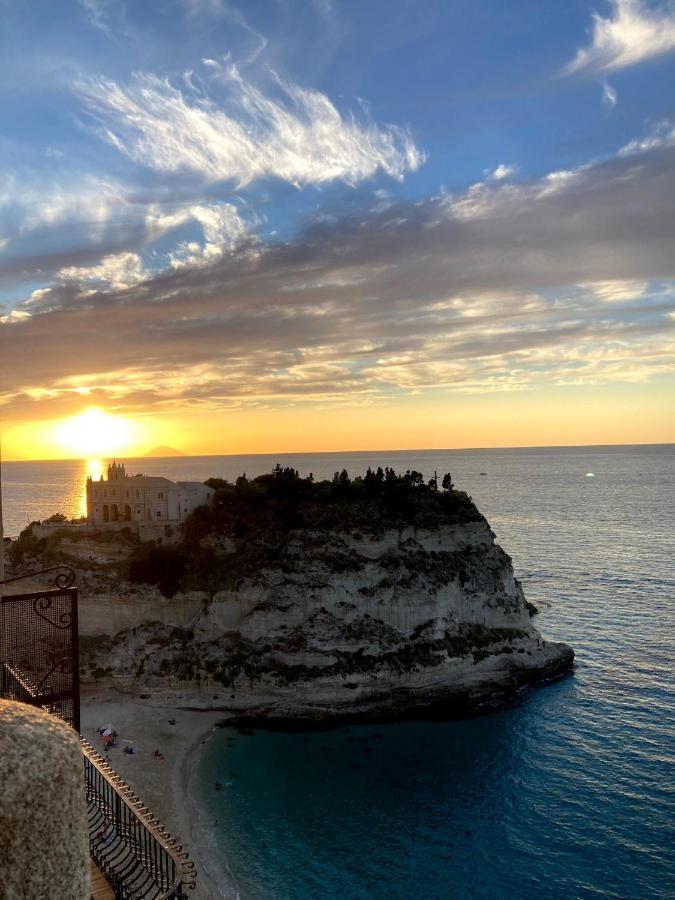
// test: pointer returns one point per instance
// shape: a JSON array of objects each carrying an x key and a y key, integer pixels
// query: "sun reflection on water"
[{"x": 92, "y": 468}]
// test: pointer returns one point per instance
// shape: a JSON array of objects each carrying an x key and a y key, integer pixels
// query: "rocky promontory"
[{"x": 289, "y": 599}]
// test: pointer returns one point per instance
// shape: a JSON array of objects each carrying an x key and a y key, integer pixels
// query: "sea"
[{"x": 570, "y": 794}]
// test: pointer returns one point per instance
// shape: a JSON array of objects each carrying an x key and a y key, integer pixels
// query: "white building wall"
[
  {"x": 186, "y": 497},
  {"x": 138, "y": 499}
]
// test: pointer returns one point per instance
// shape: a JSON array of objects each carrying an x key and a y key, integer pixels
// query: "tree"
[
  {"x": 56, "y": 519},
  {"x": 447, "y": 484}
]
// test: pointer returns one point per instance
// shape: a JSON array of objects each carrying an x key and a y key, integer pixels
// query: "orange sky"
[{"x": 615, "y": 414}]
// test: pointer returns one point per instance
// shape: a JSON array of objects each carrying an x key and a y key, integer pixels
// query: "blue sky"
[{"x": 333, "y": 151}]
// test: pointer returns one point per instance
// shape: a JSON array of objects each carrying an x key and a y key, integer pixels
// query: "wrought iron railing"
[
  {"x": 39, "y": 656},
  {"x": 137, "y": 856},
  {"x": 39, "y": 664}
]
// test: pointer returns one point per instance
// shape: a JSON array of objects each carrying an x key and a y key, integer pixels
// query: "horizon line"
[{"x": 184, "y": 455}]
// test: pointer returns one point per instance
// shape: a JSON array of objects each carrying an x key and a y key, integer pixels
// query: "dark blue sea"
[{"x": 569, "y": 795}]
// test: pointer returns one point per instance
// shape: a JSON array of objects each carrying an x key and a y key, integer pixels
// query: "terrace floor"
[{"x": 100, "y": 889}]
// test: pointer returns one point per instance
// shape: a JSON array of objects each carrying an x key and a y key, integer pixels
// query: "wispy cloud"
[
  {"x": 634, "y": 32},
  {"x": 617, "y": 291},
  {"x": 98, "y": 13},
  {"x": 609, "y": 95},
  {"x": 238, "y": 133},
  {"x": 660, "y": 136},
  {"x": 87, "y": 199},
  {"x": 110, "y": 17},
  {"x": 220, "y": 9}
]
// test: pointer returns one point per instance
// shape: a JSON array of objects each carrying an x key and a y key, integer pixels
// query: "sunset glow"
[
  {"x": 94, "y": 433},
  {"x": 223, "y": 245}
]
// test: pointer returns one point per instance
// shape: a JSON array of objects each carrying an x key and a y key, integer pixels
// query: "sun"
[{"x": 96, "y": 434}]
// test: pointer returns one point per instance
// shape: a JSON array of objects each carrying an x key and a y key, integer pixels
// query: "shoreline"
[
  {"x": 216, "y": 876},
  {"x": 169, "y": 786}
]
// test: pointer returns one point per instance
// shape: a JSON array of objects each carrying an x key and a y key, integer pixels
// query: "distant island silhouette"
[{"x": 163, "y": 450}]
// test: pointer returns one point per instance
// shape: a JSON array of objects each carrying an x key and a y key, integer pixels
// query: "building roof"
[
  {"x": 153, "y": 481},
  {"x": 150, "y": 479}
]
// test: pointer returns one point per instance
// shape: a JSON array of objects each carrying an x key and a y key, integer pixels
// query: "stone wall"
[{"x": 44, "y": 839}]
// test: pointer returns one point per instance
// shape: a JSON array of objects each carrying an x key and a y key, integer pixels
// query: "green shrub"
[{"x": 158, "y": 565}]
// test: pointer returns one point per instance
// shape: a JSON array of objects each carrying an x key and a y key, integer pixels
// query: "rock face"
[
  {"x": 347, "y": 624},
  {"x": 44, "y": 839}
]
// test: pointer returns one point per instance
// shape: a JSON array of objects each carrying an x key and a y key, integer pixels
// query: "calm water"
[{"x": 572, "y": 794}]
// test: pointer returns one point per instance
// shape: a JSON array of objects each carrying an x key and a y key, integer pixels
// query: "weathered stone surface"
[{"x": 44, "y": 843}]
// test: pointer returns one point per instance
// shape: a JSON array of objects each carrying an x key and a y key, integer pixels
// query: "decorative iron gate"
[{"x": 39, "y": 656}]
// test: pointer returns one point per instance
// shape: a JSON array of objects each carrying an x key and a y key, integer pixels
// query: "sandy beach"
[{"x": 168, "y": 786}]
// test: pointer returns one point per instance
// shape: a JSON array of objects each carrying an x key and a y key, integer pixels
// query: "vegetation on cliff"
[
  {"x": 249, "y": 524},
  {"x": 69, "y": 546}
]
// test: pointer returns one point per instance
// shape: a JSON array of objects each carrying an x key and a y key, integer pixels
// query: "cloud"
[
  {"x": 97, "y": 12},
  {"x": 609, "y": 95},
  {"x": 238, "y": 133},
  {"x": 73, "y": 220},
  {"x": 564, "y": 279},
  {"x": 662, "y": 135},
  {"x": 222, "y": 10},
  {"x": 117, "y": 272},
  {"x": 16, "y": 315},
  {"x": 224, "y": 230},
  {"x": 617, "y": 291},
  {"x": 109, "y": 17},
  {"x": 196, "y": 7},
  {"x": 633, "y": 33},
  {"x": 70, "y": 224},
  {"x": 501, "y": 172},
  {"x": 85, "y": 199}
]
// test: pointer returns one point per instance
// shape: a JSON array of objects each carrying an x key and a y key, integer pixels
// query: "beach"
[{"x": 169, "y": 786}]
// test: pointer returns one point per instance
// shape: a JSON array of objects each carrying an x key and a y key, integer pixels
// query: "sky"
[{"x": 300, "y": 225}]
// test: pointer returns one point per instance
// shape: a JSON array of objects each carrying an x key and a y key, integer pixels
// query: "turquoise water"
[{"x": 572, "y": 794}]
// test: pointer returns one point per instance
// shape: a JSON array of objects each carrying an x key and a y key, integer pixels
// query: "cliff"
[{"x": 344, "y": 602}]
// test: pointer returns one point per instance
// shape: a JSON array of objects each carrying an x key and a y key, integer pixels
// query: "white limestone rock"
[{"x": 346, "y": 625}]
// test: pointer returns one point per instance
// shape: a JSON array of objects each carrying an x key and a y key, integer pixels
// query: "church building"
[{"x": 142, "y": 498}]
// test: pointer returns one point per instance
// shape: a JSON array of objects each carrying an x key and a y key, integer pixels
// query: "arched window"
[
  {"x": 106, "y": 513},
  {"x": 114, "y": 513},
  {"x": 127, "y": 513}
]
